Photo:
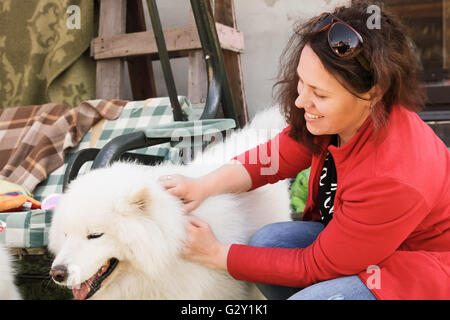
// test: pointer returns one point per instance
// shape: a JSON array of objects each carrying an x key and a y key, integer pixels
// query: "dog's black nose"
[{"x": 59, "y": 273}]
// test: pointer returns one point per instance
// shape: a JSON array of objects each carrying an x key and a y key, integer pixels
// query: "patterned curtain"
[{"x": 44, "y": 52}]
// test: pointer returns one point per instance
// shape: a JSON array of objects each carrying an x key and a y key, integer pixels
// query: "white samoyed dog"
[
  {"x": 8, "y": 290},
  {"x": 117, "y": 234}
]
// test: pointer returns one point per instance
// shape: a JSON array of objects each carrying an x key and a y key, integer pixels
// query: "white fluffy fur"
[
  {"x": 8, "y": 290},
  {"x": 143, "y": 225}
]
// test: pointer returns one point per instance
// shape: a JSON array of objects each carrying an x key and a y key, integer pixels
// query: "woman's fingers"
[
  {"x": 183, "y": 188},
  {"x": 189, "y": 206},
  {"x": 202, "y": 246},
  {"x": 176, "y": 192},
  {"x": 172, "y": 183},
  {"x": 197, "y": 222},
  {"x": 169, "y": 181}
]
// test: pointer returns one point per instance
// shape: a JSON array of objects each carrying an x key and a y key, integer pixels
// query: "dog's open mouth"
[{"x": 89, "y": 287}]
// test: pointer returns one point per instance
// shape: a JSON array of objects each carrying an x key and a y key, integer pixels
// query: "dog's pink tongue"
[{"x": 82, "y": 292}]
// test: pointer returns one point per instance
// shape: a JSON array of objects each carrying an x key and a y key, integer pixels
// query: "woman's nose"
[{"x": 302, "y": 101}]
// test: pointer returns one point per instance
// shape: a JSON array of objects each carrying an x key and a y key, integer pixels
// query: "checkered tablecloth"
[{"x": 29, "y": 229}]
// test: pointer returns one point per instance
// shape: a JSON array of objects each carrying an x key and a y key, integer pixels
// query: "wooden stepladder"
[{"x": 123, "y": 37}]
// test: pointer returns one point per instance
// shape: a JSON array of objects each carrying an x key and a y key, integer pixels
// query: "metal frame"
[
  {"x": 165, "y": 63},
  {"x": 219, "y": 91}
]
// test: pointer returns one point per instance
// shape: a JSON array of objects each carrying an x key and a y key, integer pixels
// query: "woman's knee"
[
  {"x": 263, "y": 237},
  {"x": 286, "y": 234},
  {"x": 343, "y": 288}
]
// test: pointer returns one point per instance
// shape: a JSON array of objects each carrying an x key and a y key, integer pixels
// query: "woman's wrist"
[
  {"x": 207, "y": 186},
  {"x": 222, "y": 256},
  {"x": 229, "y": 178}
]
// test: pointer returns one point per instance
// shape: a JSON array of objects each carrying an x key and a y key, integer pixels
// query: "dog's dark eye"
[{"x": 94, "y": 236}]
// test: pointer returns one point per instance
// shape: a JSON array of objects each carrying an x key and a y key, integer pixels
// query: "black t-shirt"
[{"x": 327, "y": 187}]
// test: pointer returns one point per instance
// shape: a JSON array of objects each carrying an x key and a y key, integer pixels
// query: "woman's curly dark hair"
[{"x": 389, "y": 50}]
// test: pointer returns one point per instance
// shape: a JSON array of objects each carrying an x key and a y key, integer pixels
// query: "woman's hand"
[
  {"x": 190, "y": 190},
  {"x": 229, "y": 178},
  {"x": 203, "y": 247}
]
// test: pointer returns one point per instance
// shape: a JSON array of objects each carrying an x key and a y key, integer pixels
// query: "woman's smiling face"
[{"x": 329, "y": 107}]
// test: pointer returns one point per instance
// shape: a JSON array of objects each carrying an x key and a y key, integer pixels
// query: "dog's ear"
[{"x": 141, "y": 200}]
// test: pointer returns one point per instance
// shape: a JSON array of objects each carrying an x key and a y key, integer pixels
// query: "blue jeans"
[{"x": 300, "y": 234}]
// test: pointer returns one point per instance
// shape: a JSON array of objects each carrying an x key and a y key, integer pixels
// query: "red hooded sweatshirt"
[{"x": 391, "y": 220}]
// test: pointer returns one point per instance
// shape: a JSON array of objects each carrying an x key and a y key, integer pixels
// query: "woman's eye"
[
  {"x": 319, "y": 96},
  {"x": 94, "y": 236}
]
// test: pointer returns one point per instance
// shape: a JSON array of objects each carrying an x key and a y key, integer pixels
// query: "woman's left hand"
[{"x": 202, "y": 246}]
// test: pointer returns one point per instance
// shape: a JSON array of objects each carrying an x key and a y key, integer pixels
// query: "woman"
[{"x": 377, "y": 220}]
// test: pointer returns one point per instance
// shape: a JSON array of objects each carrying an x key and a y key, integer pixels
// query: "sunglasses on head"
[{"x": 344, "y": 41}]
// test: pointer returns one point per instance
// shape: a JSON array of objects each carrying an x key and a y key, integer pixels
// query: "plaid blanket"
[{"x": 33, "y": 138}]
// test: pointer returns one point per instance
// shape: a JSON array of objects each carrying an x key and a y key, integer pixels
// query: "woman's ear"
[{"x": 375, "y": 94}]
